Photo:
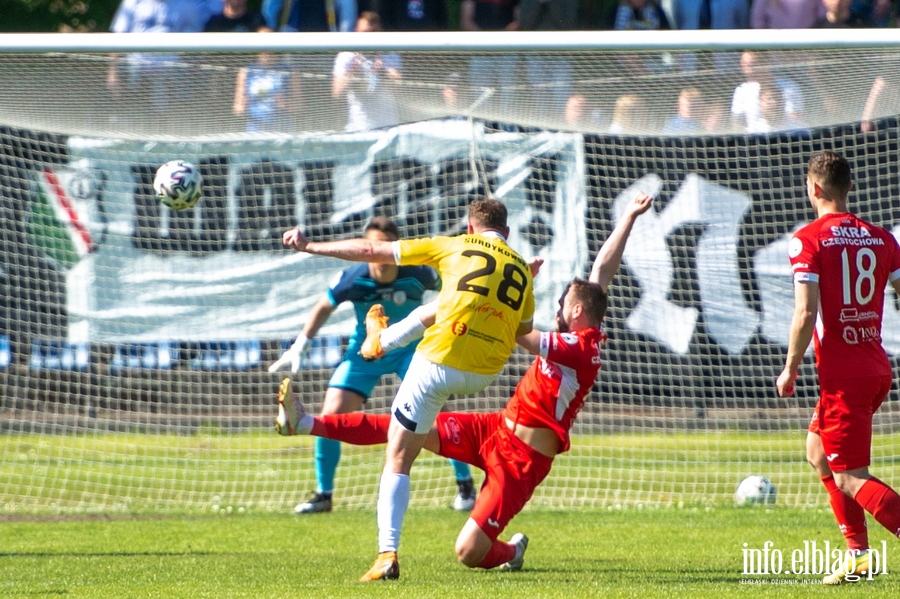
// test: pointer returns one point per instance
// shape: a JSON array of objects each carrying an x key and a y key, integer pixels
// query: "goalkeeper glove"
[{"x": 293, "y": 356}]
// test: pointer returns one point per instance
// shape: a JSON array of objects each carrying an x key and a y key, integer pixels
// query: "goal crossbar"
[{"x": 455, "y": 41}]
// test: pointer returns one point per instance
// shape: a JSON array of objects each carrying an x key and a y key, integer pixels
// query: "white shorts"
[{"x": 425, "y": 389}]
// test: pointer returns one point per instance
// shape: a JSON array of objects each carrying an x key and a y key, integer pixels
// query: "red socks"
[
  {"x": 355, "y": 428},
  {"x": 497, "y": 555},
  {"x": 849, "y": 514},
  {"x": 882, "y": 502}
]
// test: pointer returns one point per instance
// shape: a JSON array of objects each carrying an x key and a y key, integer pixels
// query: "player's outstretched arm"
[
  {"x": 293, "y": 356},
  {"x": 354, "y": 250},
  {"x": 610, "y": 255},
  {"x": 806, "y": 304},
  {"x": 530, "y": 341}
]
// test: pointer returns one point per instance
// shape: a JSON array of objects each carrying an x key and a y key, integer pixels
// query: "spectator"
[
  {"x": 412, "y": 15},
  {"x": 236, "y": 18},
  {"x": 575, "y": 110},
  {"x": 712, "y": 117},
  {"x": 366, "y": 83},
  {"x": 154, "y": 73},
  {"x": 163, "y": 16},
  {"x": 639, "y": 14},
  {"x": 578, "y": 114},
  {"x": 310, "y": 15},
  {"x": 841, "y": 14},
  {"x": 712, "y": 14},
  {"x": 745, "y": 105},
  {"x": 627, "y": 115},
  {"x": 773, "y": 116},
  {"x": 266, "y": 93},
  {"x": 548, "y": 15},
  {"x": 786, "y": 14},
  {"x": 484, "y": 15},
  {"x": 450, "y": 95},
  {"x": 549, "y": 78},
  {"x": 882, "y": 12},
  {"x": 685, "y": 121},
  {"x": 494, "y": 75},
  {"x": 771, "y": 110}
]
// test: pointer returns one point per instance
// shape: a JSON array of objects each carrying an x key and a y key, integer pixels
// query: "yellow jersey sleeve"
[{"x": 486, "y": 292}]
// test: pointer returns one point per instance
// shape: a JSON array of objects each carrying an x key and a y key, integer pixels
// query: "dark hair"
[
  {"x": 384, "y": 225},
  {"x": 489, "y": 213},
  {"x": 592, "y": 298},
  {"x": 372, "y": 18},
  {"x": 831, "y": 171}
]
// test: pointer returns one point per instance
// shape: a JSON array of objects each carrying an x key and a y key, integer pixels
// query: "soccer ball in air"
[
  {"x": 178, "y": 184},
  {"x": 755, "y": 490}
]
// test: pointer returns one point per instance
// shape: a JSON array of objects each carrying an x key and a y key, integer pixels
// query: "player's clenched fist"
[
  {"x": 294, "y": 238},
  {"x": 785, "y": 383},
  {"x": 640, "y": 204}
]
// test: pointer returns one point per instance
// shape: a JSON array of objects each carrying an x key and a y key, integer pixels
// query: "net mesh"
[
  {"x": 637, "y": 92},
  {"x": 134, "y": 341}
]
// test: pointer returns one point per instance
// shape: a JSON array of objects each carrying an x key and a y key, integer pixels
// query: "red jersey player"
[
  {"x": 515, "y": 446},
  {"x": 841, "y": 266}
]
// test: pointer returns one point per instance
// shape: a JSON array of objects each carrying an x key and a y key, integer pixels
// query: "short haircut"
[
  {"x": 592, "y": 298},
  {"x": 372, "y": 18},
  {"x": 831, "y": 171},
  {"x": 384, "y": 225},
  {"x": 489, "y": 213}
]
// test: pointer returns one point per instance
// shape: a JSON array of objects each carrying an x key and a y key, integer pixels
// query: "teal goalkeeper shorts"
[{"x": 357, "y": 375}]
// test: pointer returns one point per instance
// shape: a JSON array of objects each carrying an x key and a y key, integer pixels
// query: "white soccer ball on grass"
[{"x": 755, "y": 490}]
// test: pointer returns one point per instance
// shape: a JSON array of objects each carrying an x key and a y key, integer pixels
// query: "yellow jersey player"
[
  {"x": 487, "y": 289},
  {"x": 486, "y": 301}
]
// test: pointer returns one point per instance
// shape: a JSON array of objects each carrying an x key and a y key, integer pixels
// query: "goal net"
[{"x": 135, "y": 341}]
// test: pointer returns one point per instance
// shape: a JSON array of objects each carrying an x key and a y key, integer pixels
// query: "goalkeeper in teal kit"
[{"x": 400, "y": 290}]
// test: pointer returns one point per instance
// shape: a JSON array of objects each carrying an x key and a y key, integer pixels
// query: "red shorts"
[
  {"x": 512, "y": 469},
  {"x": 843, "y": 419}
]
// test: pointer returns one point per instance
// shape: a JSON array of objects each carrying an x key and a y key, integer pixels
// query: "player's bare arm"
[
  {"x": 610, "y": 255},
  {"x": 605, "y": 265},
  {"x": 524, "y": 328},
  {"x": 354, "y": 250},
  {"x": 530, "y": 342},
  {"x": 806, "y": 302}
]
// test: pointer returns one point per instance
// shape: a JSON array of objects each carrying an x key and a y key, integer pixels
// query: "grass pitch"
[
  {"x": 667, "y": 552},
  {"x": 132, "y": 515}
]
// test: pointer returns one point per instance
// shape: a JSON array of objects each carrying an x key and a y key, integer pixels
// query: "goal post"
[{"x": 135, "y": 341}]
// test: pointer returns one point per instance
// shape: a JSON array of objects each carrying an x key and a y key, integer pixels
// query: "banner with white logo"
[{"x": 219, "y": 271}]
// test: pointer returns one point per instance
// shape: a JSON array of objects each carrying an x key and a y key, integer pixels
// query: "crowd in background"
[
  {"x": 500, "y": 15},
  {"x": 365, "y": 84}
]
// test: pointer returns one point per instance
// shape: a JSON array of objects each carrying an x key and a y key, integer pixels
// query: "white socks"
[
  {"x": 393, "y": 499},
  {"x": 403, "y": 332}
]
